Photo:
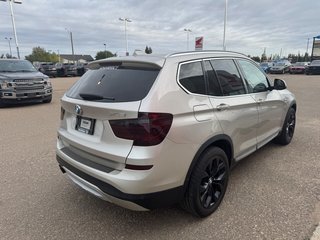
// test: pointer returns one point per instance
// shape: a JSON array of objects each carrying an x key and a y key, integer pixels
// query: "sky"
[{"x": 252, "y": 25}]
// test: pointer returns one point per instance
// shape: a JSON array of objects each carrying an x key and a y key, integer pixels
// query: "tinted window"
[
  {"x": 116, "y": 84},
  {"x": 229, "y": 77},
  {"x": 191, "y": 77},
  {"x": 214, "y": 87},
  {"x": 255, "y": 79}
]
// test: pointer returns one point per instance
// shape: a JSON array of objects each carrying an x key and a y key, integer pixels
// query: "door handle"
[{"x": 222, "y": 107}]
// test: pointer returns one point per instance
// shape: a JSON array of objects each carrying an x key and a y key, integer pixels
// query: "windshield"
[
  {"x": 299, "y": 64},
  {"x": 280, "y": 64},
  {"x": 315, "y": 62},
  {"x": 16, "y": 66},
  {"x": 264, "y": 65}
]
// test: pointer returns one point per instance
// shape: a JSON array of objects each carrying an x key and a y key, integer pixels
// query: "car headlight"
[
  {"x": 47, "y": 82},
  {"x": 4, "y": 85}
]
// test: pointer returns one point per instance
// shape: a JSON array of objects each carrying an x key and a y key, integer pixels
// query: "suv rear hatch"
[{"x": 112, "y": 92}]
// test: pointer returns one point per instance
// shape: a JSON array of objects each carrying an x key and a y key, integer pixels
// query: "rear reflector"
[
  {"x": 147, "y": 130},
  {"x": 138, "y": 167}
]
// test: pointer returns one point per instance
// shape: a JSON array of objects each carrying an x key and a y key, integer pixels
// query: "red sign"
[{"x": 199, "y": 43}]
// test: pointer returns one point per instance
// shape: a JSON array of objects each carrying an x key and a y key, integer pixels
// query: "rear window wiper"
[{"x": 92, "y": 97}]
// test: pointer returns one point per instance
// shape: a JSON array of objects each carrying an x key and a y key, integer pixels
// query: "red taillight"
[{"x": 146, "y": 130}]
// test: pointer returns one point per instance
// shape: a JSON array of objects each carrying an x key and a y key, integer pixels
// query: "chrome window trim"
[{"x": 234, "y": 59}]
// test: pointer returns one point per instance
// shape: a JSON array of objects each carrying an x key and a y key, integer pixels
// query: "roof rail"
[{"x": 202, "y": 52}]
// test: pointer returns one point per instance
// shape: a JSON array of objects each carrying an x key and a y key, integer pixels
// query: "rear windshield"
[{"x": 114, "y": 84}]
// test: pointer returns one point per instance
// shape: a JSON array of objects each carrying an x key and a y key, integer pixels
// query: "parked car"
[
  {"x": 280, "y": 67},
  {"x": 146, "y": 131},
  {"x": 20, "y": 82},
  {"x": 313, "y": 68},
  {"x": 66, "y": 69},
  {"x": 49, "y": 69},
  {"x": 298, "y": 67},
  {"x": 82, "y": 68},
  {"x": 266, "y": 66}
]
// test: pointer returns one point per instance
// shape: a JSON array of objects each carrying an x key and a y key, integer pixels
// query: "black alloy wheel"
[
  {"x": 213, "y": 182},
  {"x": 288, "y": 128},
  {"x": 208, "y": 183},
  {"x": 291, "y": 123}
]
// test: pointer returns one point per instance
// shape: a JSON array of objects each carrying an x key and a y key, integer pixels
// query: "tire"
[
  {"x": 287, "y": 131},
  {"x": 208, "y": 183},
  {"x": 47, "y": 100}
]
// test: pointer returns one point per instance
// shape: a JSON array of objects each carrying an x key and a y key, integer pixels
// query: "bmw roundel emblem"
[{"x": 78, "y": 110}]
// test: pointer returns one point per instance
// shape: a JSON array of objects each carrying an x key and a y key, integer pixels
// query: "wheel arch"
[
  {"x": 222, "y": 141},
  {"x": 293, "y": 105}
]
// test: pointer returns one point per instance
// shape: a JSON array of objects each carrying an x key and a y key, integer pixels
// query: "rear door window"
[
  {"x": 229, "y": 77},
  {"x": 214, "y": 87},
  {"x": 115, "y": 84}
]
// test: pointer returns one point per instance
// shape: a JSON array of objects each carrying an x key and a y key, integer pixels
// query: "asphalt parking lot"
[{"x": 272, "y": 194}]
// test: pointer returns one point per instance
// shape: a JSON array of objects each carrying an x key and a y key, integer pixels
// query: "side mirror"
[{"x": 279, "y": 84}]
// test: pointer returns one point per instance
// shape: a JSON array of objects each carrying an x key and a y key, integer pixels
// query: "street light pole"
[
  {"x": 71, "y": 40},
  {"x": 9, "y": 41},
  {"x": 188, "y": 30},
  {"x": 225, "y": 24},
  {"x": 58, "y": 54},
  {"x": 105, "y": 47},
  {"x": 13, "y": 23},
  {"x": 308, "y": 46},
  {"x": 125, "y": 20},
  {"x": 14, "y": 27}
]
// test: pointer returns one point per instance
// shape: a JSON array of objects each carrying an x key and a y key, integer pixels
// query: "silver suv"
[{"x": 145, "y": 132}]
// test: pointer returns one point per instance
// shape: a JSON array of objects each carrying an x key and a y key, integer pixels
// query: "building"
[{"x": 69, "y": 58}]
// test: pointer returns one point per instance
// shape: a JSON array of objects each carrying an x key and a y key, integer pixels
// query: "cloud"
[{"x": 251, "y": 26}]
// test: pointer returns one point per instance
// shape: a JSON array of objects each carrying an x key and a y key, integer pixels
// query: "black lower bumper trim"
[
  {"x": 148, "y": 201},
  {"x": 13, "y": 101}
]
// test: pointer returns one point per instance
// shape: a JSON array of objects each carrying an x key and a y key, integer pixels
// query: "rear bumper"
[
  {"x": 109, "y": 193},
  {"x": 71, "y": 72},
  {"x": 313, "y": 71},
  {"x": 277, "y": 71},
  {"x": 52, "y": 73},
  {"x": 297, "y": 70}
]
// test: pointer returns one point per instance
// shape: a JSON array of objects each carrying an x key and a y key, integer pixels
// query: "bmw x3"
[{"x": 145, "y": 132}]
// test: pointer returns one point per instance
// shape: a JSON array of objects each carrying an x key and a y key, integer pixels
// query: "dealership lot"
[{"x": 272, "y": 194}]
